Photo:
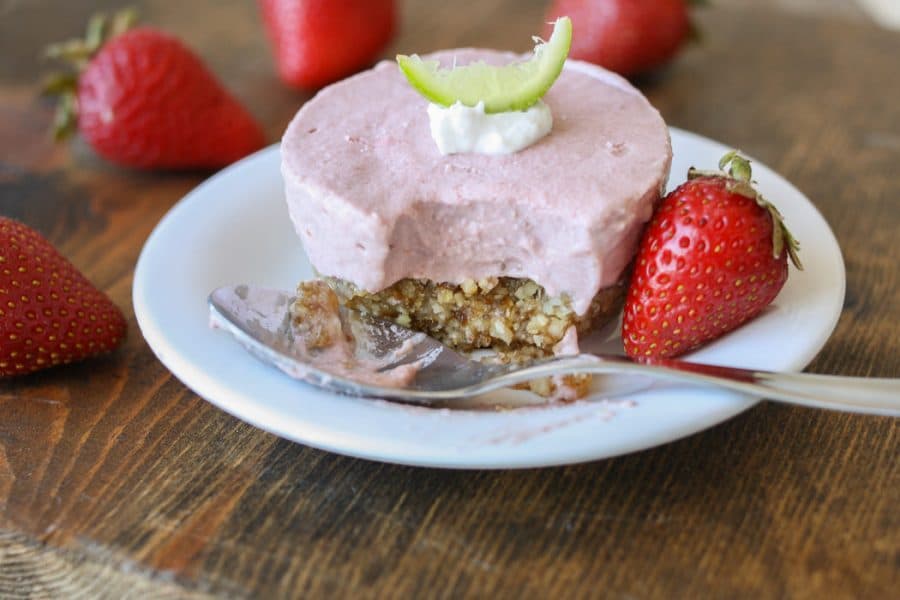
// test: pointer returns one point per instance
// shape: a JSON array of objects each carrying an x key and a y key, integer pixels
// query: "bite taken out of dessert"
[{"x": 491, "y": 200}]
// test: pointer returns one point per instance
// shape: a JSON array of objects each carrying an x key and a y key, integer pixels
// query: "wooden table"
[{"x": 116, "y": 480}]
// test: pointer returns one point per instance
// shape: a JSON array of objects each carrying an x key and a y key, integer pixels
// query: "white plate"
[{"x": 234, "y": 228}]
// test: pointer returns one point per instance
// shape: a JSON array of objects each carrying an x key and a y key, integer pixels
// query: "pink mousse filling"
[{"x": 374, "y": 201}]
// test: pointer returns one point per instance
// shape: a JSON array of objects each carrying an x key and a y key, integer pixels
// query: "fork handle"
[{"x": 880, "y": 396}]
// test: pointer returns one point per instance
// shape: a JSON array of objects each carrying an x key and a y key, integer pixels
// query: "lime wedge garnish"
[{"x": 511, "y": 87}]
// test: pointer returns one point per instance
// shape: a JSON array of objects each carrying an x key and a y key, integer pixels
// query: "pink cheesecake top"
[{"x": 374, "y": 201}]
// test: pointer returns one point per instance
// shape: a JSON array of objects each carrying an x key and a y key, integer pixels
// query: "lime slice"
[{"x": 511, "y": 87}]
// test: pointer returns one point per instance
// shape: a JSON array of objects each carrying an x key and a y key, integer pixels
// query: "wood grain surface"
[{"x": 117, "y": 481}]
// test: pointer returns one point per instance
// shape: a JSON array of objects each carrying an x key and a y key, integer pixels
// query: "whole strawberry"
[
  {"x": 713, "y": 257},
  {"x": 143, "y": 99},
  {"x": 49, "y": 313},
  {"x": 317, "y": 42},
  {"x": 625, "y": 36}
]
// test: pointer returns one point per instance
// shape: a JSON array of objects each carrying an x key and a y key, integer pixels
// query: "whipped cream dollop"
[{"x": 462, "y": 129}]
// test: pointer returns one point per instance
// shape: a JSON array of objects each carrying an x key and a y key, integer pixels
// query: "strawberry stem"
[{"x": 737, "y": 166}]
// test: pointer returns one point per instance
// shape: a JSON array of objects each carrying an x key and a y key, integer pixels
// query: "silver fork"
[{"x": 257, "y": 318}]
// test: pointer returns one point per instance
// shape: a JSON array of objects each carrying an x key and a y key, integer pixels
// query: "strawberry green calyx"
[
  {"x": 736, "y": 169},
  {"x": 77, "y": 53},
  {"x": 101, "y": 28}
]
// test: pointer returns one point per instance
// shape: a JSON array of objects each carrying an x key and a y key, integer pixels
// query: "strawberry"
[
  {"x": 317, "y": 42},
  {"x": 142, "y": 99},
  {"x": 713, "y": 256},
  {"x": 50, "y": 314},
  {"x": 625, "y": 36}
]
